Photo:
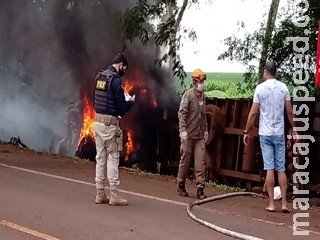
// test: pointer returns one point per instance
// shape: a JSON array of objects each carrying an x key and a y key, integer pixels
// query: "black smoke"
[{"x": 51, "y": 51}]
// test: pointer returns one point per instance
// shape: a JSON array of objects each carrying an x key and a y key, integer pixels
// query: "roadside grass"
[
  {"x": 224, "y": 187},
  {"x": 209, "y": 184}
]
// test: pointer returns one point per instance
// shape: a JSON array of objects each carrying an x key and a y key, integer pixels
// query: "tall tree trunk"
[
  {"x": 177, "y": 24},
  {"x": 174, "y": 32},
  {"x": 180, "y": 15},
  {"x": 267, "y": 37}
]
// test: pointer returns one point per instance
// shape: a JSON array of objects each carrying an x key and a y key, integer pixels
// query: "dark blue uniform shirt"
[{"x": 122, "y": 105}]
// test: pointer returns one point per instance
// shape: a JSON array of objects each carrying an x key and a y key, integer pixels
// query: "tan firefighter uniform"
[{"x": 192, "y": 119}]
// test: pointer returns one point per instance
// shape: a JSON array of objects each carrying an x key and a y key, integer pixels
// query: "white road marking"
[
  {"x": 27, "y": 230},
  {"x": 92, "y": 184},
  {"x": 137, "y": 194}
]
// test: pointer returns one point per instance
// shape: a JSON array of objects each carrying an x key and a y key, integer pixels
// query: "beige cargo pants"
[
  {"x": 195, "y": 147},
  {"x": 108, "y": 139}
]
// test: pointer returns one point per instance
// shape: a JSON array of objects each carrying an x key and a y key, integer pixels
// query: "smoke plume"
[{"x": 51, "y": 51}]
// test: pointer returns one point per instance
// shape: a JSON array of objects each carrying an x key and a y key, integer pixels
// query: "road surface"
[{"x": 38, "y": 206}]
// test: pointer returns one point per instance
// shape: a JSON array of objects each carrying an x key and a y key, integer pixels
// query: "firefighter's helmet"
[{"x": 198, "y": 74}]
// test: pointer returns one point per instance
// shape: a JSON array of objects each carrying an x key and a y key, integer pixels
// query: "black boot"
[
  {"x": 182, "y": 190},
  {"x": 200, "y": 193}
]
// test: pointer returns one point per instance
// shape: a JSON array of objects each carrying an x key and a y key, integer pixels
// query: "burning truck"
[
  {"x": 151, "y": 139},
  {"x": 49, "y": 88},
  {"x": 150, "y": 129}
]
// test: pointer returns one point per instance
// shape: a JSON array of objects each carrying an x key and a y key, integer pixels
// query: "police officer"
[
  {"x": 109, "y": 104},
  {"x": 193, "y": 134}
]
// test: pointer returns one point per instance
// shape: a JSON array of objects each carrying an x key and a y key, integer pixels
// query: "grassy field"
[
  {"x": 222, "y": 77},
  {"x": 217, "y": 77},
  {"x": 222, "y": 85}
]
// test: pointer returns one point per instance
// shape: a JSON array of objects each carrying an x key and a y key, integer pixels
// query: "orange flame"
[
  {"x": 88, "y": 119},
  {"x": 155, "y": 104},
  {"x": 127, "y": 87},
  {"x": 130, "y": 145},
  {"x": 144, "y": 95}
]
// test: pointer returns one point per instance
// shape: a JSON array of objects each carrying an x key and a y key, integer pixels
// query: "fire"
[
  {"x": 144, "y": 94},
  {"x": 88, "y": 119},
  {"x": 89, "y": 114},
  {"x": 127, "y": 87},
  {"x": 155, "y": 104},
  {"x": 130, "y": 145}
]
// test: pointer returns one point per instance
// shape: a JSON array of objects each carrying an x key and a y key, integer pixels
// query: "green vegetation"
[
  {"x": 224, "y": 187},
  {"x": 247, "y": 49},
  {"x": 218, "y": 89},
  {"x": 220, "y": 76},
  {"x": 223, "y": 85},
  {"x": 209, "y": 184}
]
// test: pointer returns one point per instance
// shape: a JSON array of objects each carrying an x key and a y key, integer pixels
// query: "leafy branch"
[{"x": 159, "y": 22}]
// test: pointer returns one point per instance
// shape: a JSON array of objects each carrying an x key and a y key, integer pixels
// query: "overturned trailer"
[
  {"x": 243, "y": 165},
  {"x": 228, "y": 160},
  {"x": 155, "y": 144}
]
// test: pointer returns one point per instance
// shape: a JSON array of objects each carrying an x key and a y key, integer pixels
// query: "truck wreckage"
[{"x": 228, "y": 160}]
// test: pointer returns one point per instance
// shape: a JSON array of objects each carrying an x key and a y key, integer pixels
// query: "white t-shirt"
[{"x": 271, "y": 96}]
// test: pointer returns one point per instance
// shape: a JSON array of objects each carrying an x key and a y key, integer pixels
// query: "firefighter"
[
  {"x": 193, "y": 134},
  {"x": 109, "y": 104}
]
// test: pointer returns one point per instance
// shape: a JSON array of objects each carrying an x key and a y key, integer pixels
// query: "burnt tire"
[
  {"x": 214, "y": 119},
  {"x": 212, "y": 171}
]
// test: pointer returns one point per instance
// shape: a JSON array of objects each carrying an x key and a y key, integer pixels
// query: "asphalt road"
[
  {"x": 34, "y": 206},
  {"x": 65, "y": 210}
]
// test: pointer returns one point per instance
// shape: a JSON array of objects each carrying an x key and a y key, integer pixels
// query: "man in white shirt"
[{"x": 271, "y": 98}]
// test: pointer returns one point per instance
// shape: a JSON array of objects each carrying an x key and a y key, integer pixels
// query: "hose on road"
[{"x": 215, "y": 227}]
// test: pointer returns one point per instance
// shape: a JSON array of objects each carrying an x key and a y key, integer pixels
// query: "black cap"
[
  {"x": 271, "y": 67},
  {"x": 120, "y": 58}
]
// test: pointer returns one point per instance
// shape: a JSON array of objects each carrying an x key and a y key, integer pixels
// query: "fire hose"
[{"x": 215, "y": 227}]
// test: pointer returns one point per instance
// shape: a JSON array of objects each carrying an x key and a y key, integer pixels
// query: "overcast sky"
[{"x": 213, "y": 23}]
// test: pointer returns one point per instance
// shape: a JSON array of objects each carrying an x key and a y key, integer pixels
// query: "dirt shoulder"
[{"x": 151, "y": 184}]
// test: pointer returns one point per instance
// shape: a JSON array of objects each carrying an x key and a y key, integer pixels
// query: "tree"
[
  {"x": 248, "y": 49},
  {"x": 159, "y": 22},
  {"x": 267, "y": 38}
]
